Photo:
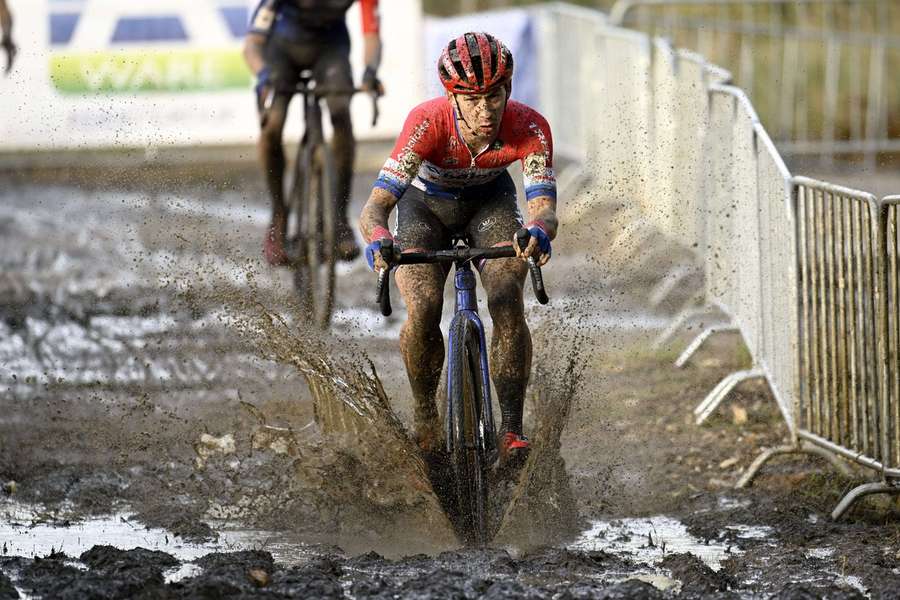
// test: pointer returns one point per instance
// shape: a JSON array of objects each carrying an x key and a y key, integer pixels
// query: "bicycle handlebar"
[
  {"x": 321, "y": 92},
  {"x": 394, "y": 258}
]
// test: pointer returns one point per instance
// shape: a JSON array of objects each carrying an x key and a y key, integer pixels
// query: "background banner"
[{"x": 102, "y": 73}]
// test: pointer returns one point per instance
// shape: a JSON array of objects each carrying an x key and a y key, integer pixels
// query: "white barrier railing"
[{"x": 662, "y": 126}]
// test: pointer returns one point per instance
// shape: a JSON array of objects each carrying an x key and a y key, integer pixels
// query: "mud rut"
[{"x": 151, "y": 365}]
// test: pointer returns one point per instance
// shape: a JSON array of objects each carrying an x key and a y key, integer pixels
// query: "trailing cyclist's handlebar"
[
  {"x": 391, "y": 256},
  {"x": 321, "y": 92}
]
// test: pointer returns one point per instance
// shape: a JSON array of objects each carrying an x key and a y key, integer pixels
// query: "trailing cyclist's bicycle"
[
  {"x": 470, "y": 435},
  {"x": 311, "y": 240}
]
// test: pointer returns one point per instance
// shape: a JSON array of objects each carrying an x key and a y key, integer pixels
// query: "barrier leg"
[
  {"x": 881, "y": 487},
  {"x": 801, "y": 448},
  {"x": 671, "y": 279},
  {"x": 715, "y": 397},
  {"x": 684, "y": 315},
  {"x": 699, "y": 340}
]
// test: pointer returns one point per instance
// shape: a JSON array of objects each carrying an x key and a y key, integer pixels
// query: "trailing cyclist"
[
  {"x": 285, "y": 38},
  {"x": 447, "y": 176}
]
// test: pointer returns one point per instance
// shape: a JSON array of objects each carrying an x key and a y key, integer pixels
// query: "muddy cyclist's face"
[{"x": 481, "y": 113}]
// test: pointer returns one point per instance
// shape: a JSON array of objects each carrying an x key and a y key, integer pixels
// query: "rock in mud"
[
  {"x": 113, "y": 560},
  {"x": 696, "y": 578},
  {"x": 247, "y": 559},
  {"x": 179, "y": 520},
  {"x": 259, "y": 577}
]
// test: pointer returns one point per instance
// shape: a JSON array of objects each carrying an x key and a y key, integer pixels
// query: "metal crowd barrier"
[
  {"x": 805, "y": 271},
  {"x": 803, "y": 58}
]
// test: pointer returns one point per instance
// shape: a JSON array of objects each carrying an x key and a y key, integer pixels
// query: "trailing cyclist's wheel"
[
  {"x": 314, "y": 271},
  {"x": 469, "y": 456}
]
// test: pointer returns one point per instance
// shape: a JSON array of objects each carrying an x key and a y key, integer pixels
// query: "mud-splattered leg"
[
  {"x": 271, "y": 155},
  {"x": 510, "y": 353},
  {"x": 422, "y": 345}
]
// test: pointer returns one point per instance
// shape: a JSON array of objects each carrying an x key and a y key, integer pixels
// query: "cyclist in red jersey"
[
  {"x": 447, "y": 176},
  {"x": 285, "y": 38}
]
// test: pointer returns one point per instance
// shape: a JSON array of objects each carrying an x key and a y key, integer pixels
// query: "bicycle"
[
  {"x": 311, "y": 240},
  {"x": 470, "y": 435}
]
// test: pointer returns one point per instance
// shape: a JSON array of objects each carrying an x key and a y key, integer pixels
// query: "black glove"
[{"x": 371, "y": 83}]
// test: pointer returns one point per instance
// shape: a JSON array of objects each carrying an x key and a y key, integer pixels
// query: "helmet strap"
[{"x": 459, "y": 114}]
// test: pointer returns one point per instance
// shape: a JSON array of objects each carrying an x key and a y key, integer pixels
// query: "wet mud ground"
[{"x": 158, "y": 431}]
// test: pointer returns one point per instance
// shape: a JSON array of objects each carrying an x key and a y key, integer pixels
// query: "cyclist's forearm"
[
  {"x": 253, "y": 52},
  {"x": 376, "y": 212},
  {"x": 543, "y": 209},
  {"x": 372, "y": 50}
]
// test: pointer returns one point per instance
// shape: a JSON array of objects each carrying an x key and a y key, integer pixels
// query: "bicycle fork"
[{"x": 467, "y": 308}]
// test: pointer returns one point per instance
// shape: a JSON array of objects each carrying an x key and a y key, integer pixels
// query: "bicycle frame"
[
  {"x": 467, "y": 308},
  {"x": 312, "y": 117}
]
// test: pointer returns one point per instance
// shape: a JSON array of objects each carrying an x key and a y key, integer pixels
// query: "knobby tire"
[
  {"x": 314, "y": 203},
  {"x": 468, "y": 458}
]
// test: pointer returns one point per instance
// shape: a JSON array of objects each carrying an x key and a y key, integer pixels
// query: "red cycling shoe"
[
  {"x": 273, "y": 249},
  {"x": 514, "y": 448}
]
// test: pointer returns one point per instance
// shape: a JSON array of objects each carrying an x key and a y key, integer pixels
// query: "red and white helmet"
[{"x": 475, "y": 63}]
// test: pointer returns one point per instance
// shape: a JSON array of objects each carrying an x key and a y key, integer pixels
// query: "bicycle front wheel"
[
  {"x": 468, "y": 457},
  {"x": 314, "y": 276}
]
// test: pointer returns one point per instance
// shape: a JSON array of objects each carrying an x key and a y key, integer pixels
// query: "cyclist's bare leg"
[
  {"x": 422, "y": 344},
  {"x": 271, "y": 155},
  {"x": 510, "y": 352},
  {"x": 344, "y": 146}
]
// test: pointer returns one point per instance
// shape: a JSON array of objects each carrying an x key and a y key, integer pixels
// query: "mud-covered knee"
[
  {"x": 270, "y": 136},
  {"x": 505, "y": 296},
  {"x": 425, "y": 313}
]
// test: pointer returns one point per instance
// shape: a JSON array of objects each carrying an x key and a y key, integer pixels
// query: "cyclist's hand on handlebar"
[
  {"x": 538, "y": 245},
  {"x": 374, "y": 255},
  {"x": 371, "y": 83}
]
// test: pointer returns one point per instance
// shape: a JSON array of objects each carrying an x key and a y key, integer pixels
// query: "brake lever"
[
  {"x": 375, "y": 114},
  {"x": 383, "y": 291},
  {"x": 523, "y": 237}
]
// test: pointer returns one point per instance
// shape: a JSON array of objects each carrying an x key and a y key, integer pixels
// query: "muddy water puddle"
[
  {"x": 650, "y": 540},
  {"x": 608, "y": 553},
  {"x": 30, "y": 532}
]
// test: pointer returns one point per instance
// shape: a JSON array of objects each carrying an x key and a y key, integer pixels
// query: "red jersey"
[{"x": 431, "y": 155}]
